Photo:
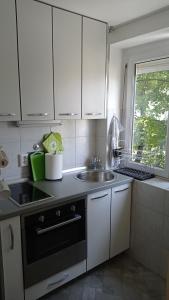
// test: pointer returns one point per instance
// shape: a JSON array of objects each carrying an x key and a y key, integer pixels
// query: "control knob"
[
  {"x": 58, "y": 213},
  {"x": 73, "y": 208},
  {"x": 41, "y": 219}
]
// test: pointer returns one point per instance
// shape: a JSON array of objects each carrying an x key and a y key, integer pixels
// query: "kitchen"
[{"x": 31, "y": 77}]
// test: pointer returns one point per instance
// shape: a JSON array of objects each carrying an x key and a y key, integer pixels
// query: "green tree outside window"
[{"x": 150, "y": 118}]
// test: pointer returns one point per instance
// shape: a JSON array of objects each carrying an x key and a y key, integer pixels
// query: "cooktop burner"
[{"x": 24, "y": 193}]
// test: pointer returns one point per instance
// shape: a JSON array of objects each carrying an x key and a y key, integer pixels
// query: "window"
[{"x": 150, "y": 118}]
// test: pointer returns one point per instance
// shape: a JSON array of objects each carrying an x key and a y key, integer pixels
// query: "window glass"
[{"x": 151, "y": 107}]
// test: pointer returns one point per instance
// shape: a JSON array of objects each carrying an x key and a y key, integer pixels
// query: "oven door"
[{"x": 53, "y": 241}]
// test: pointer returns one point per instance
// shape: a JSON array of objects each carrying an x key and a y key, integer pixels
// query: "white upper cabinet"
[
  {"x": 9, "y": 82},
  {"x": 62, "y": 63},
  {"x": 67, "y": 64},
  {"x": 94, "y": 69},
  {"x": 35, "y": 60}
]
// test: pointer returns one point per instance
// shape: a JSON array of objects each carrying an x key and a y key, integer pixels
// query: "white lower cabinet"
[
  {"x": 108, "y": 233},
  {"x": 98, "y": 228},
  {"x": 120, "y": 219},
  {"x": 108, "y": 224},
  {"x": 53, "y": 282},
  {"x": 11, "y": 259}
]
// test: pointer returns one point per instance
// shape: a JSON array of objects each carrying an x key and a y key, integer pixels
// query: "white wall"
[
  {"x": 155, "y": 22},
  {"x": 150, "y": 214},
  {"x": 131, "y": 56},
  {"x": 156, "y": 49},
  {"x": 78, "y": 141},
  {"x": 113, "y": 104},
  {"x": 115, "y": 83},
  {"x": 150, "y": 226}
]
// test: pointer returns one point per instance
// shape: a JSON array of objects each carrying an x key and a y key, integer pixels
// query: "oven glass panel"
[{"x": 52, "y": 231}]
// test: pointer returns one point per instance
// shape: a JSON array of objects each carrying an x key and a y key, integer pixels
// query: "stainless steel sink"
[{"x": 96, "y": 176}]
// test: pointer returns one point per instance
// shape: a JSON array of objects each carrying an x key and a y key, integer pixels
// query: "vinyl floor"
[{"x": 122, "y": 278}]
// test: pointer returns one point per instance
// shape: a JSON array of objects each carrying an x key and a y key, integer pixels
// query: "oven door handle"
[{"x": 44, "y": 230}]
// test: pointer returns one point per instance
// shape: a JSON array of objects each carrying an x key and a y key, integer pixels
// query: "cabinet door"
[
  {"x": 9, "y": 82},
  {"x": 120, "y": 219},
  {"x": 94, "y": 69},
  {"x": 98, "y": 228},
  {"x": 12, "y": 259},
  {"x": 67, "y": 64},
  {"x": 35, "y": 60}
]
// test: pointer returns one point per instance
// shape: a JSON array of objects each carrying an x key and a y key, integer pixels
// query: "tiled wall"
[
  {"x": 79, "y": 140},
  {"x": 150, "y": 226},
  {"x": 101, "y": 140}
]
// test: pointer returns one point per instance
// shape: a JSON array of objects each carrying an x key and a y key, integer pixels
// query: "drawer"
[{"x": 38, "y": 290}]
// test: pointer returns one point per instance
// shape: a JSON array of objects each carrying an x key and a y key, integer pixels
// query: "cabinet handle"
[
  {"x": 38, "y": 114},
  {"x": 69, "y": 114},
  {"x": 93, "y": 114},
  {"x": 12, "y": 237},
  {"x": 50, "y": 285},
  {"x": 121, "y": 190},
  {"x": 7, "y": 114},
  {"x": 95, "y": 198}
]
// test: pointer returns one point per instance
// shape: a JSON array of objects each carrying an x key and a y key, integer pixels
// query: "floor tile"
[{"x": 122, "y": 278}]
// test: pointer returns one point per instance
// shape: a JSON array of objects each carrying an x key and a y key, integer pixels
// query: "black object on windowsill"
[{"x": 137, "y": 174}]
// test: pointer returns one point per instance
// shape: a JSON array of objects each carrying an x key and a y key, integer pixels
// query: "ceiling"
[{"x": 114, "y": 12}]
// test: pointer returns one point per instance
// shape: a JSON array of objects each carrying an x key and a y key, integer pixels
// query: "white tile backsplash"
[
  {"x": 85, "y": 149},
  {"x": 12, "y": 149},
  {"x": 101, "y": 149},
  {"x": 101, "y": 128},
  {"x": 67, "y": 130},
  {"x": 85, "y": 128},
  {"x": 33, "y": 133},
  {"x": 69, "y": 155},
  {"x": 9, "y": 131},
  {"x": 27, "y": 145},
  {"x": 78, "y": 141}
]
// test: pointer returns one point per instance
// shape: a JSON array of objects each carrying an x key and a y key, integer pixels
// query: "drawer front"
[{"x": 53, "y": 282}]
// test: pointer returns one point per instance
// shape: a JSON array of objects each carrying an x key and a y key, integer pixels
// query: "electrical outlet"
[{"x": 23, "y": 160}]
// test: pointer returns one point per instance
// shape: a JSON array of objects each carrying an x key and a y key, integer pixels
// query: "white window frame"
[{"x": 129, "y": 110}]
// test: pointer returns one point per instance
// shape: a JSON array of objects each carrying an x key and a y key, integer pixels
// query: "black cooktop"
[{"x": 24, "y": 193}]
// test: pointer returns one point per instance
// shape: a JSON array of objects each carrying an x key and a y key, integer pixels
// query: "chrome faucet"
[{"x": 95, "y": 163}]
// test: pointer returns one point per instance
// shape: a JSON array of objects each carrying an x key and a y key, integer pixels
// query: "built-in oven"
[{"x": 53, "y": 240}]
